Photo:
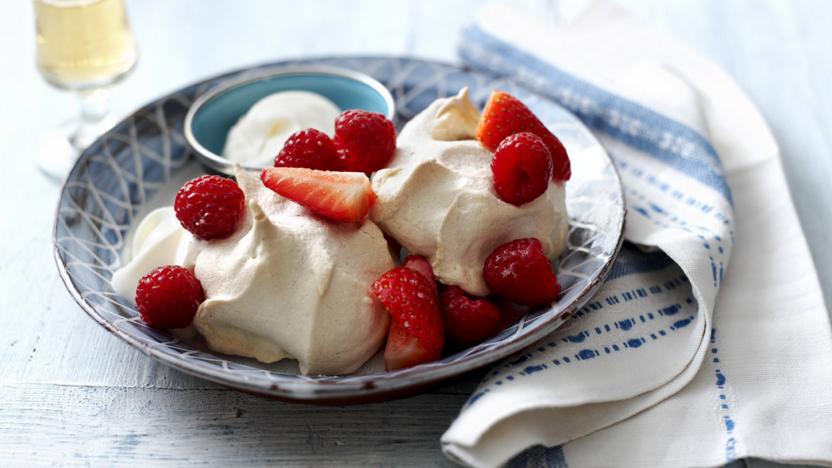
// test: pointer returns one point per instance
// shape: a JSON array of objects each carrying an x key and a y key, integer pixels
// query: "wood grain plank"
[{"x": 76, "y": 425}]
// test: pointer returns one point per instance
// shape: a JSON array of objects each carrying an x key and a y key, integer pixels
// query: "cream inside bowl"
[{"x": 245, "y": 121}]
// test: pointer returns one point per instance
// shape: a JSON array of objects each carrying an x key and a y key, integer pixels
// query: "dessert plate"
[{"x": 141, "y": 162}]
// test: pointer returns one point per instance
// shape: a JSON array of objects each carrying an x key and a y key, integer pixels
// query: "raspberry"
[
  {"x": 505, "y": 115},
  {"x": 309, "y": 148},
  {"x": 210, "y": 207},
  {"x": 521, "y": 168},
  {"x": 366, "y": 141},
  {"x": 168, "y": 297},
  {"x": 417, "y": 331},
  {"x": 468, "y": 321},
  {"x": 519, "y": 271}
]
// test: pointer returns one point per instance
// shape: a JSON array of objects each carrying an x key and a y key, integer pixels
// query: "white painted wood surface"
[{"x": 72, "y": 394}]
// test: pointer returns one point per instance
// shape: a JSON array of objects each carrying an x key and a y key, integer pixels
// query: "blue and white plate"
[{"x": 116, "y": 178}]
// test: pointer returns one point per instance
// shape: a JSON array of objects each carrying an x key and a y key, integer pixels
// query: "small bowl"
[{"x": 212, "y": 115}]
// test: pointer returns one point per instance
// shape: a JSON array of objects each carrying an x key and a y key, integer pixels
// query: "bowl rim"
[{"x": 226, "y": 166}]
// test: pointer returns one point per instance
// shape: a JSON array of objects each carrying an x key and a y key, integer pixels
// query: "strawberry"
[
  {"x": 510, "y": 312},
  {"x": 504, "y": 115},
  {"x": 468, "y": 321},
  {"x": 404, "y": 349},
  {"x": 417, "y": 331},
  {"x": 519, "y": 271},
  {"x": 420, "y": 264},
  {"x": 339, "y": 196}
]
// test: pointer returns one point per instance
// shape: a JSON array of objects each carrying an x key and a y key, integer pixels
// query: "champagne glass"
[{"x": 83, "y": 46}]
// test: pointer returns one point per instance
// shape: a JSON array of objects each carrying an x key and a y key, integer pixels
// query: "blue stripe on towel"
[{"x": 667, "y": 140}]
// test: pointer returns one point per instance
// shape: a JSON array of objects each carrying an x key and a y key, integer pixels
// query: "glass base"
[{"x": 57, "y": 149}]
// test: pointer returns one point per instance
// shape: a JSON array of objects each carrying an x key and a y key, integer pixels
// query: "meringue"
[
  {"x": 437, "y": 199},
  {"x": 291, "y": 285},
  {"x": 286, "y": 285},
  {"x": 259, "y": 135}
]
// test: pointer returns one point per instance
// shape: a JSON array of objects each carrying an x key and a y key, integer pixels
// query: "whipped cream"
[
  {"x": 437, "y": 199},
  {"x": 259, "y": 134},
  {"x": 159, "y": 240}
]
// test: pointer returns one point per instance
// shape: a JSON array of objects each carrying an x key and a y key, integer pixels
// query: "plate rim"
[{"x": 367, "y": 392}]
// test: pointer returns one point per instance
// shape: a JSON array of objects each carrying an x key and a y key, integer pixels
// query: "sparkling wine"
[{"x": 83, "y": 44}]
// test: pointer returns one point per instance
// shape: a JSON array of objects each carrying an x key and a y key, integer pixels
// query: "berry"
[
  {"x": 504, "y": 115},
  {"x": 339, "y": 196},
  {"x": 420, "y": 264},
  {"x": 210, "y": 207},
  {"x": 417, "y": 331},
  {"x": 309, "y": 148},
  {"x": 168, "y": 297},
  {"x": 521, "y": 168},
  {"x": 519, "y": 271},
  {"x": 366, "y": 141},
  {"x": 510, "y": 312},
  {"x": 468, "y": 321}
]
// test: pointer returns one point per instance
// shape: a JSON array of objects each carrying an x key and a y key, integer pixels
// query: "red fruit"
[
  {"x": 339, "y": 196},
  {"x": 420, "y": 264},
  {"x": 403, "y": 349},
  {"x": 168, "y": 297},
  {"x": 210, "y": 207},
  {"x": 417, "y": 331},
  {"x": 309, "y": 148},
  {"x": 468, "y": 321},
  {"x": 519, "y": 271},
  {"x": 521, "y": 168},
  {"x": 365, "y": 140},
  {"x": 504, "y": 115},
  {"x": 510, "y": 312}
]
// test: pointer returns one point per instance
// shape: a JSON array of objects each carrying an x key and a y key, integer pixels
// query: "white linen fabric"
[{"x": 683, "y": 358}]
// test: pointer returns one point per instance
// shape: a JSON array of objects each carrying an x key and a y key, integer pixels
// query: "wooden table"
[{"x": 73, "y": 394}]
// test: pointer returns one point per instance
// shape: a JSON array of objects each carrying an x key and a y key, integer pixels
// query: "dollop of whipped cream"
[
  {"x": 159, "y": 240},
  {"x": 259, "y": 134},
  {"x": 286, "y": 285},
  {"x": 437, "y": 199}
]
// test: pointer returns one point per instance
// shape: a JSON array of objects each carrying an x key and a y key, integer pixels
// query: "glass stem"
[{"x": 95, "y": 107}]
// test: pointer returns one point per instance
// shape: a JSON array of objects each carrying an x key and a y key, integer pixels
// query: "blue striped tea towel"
[{"x": 713, "y": 341}]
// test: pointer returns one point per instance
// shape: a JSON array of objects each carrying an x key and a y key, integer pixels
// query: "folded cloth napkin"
[{"x": 683, "y": 358}]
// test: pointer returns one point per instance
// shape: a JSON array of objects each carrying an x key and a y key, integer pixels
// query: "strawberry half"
[
  {"x": 339, "y": 196},
  {"x": 468, "y": 320},
  {"x": 421, "y": 265},
  {"x": 417, "y": 330},
  {"x": 504, "y": 115}
]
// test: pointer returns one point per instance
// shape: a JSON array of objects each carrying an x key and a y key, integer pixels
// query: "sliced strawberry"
[
  {"x": 340, "y": 196},
  {"x": 404, "y": 350},
  {"x": 504, "y": 115},
  {"x": 417, "y": 330},
  {"x": 468, "y": 321},
  {"x": 420, "y": 264},
  {"x": 510, "y": 312}
]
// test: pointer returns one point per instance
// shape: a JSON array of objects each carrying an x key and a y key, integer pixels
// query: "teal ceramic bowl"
[{"x": 212, "y": 115}]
